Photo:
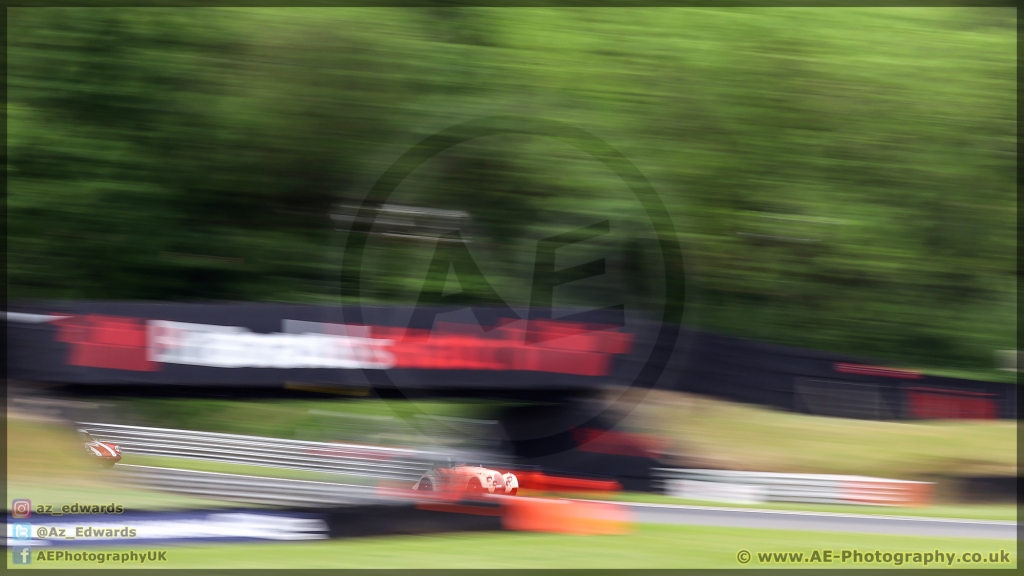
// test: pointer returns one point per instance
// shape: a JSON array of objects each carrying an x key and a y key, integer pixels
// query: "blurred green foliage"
[
  {"x": 347, "y": 420},
  {"x": 840, "y": 179}
]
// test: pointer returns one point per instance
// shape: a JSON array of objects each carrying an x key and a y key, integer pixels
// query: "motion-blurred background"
[{"x": 841, "y": 184}]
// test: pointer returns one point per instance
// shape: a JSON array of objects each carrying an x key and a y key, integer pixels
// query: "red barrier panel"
[
  {"x": 99, "y": 341},
  {"x": 888, "y": 493},
  {"x": 940, "y": 403},
  {"x": 565, "y": 516},
  {"x": 544, "y": 483}
]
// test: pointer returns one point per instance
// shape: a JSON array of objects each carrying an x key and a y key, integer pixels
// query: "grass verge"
[
  {"x": 715, "y": 434},
  {"x": 47, "y": 464},
  {"x": 648, "y": 547}
]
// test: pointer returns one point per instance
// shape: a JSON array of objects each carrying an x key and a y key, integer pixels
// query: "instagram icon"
[{"x": 21, "y": 508}]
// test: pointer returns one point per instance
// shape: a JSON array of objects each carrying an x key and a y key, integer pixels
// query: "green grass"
[
  {"x": 55, "y": 471},
  {"x": 648, "y": 547},
  {"x": 56, "y": 492},
  {"x": 710, "y": 433},
  {"x": 46, "y": 464},
  {"x": 46, "y": 459},
  {"x": 703, "y": 432},
  {"x": 341, "y": 419}
]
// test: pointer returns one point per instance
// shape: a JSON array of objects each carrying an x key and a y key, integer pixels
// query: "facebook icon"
[{"x": 21, "y": 555}]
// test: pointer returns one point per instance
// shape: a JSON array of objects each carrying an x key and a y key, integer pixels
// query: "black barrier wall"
[
  {"x": 828, "y": 384},
  {"x": 117, "y": 343},
  {"x": 467, "y": 350}
]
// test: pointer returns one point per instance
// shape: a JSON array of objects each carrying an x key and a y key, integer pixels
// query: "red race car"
[
  {"x": 463, "y": 478},
  {"x": 108, "y": 454}
]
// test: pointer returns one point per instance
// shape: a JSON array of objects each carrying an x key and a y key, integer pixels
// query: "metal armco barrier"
[
  {"x": 349, "y": 459},
  {"x": 752, "y": 487},
  {"x": 248, "y": 489}
]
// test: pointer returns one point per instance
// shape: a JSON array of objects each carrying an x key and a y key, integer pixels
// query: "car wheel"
[
  {"x": 108, "y": 463},
  {"x": 426, "y": 485},
  {"x": 513, "y": 491},
  {"x": 475, "y": 486}
]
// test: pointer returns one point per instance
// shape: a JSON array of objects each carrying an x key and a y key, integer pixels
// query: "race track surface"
[{"x": 822, "y": 521}]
